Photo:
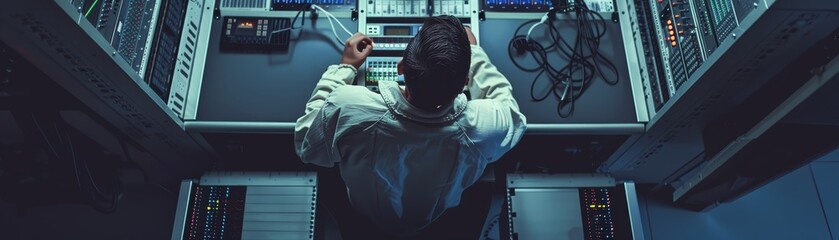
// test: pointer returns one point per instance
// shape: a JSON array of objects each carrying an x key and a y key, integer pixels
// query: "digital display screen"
[
  {"x": 400, "y": 30},
  {"x": 245, "y": 28}
]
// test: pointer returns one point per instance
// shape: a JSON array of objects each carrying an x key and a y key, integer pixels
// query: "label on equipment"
[{"x": 601, "y": 5}]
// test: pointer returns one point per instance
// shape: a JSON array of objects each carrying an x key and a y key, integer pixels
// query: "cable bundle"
[
  {"x": 583, "y": 59},
  {"x": 293, "y": 21}
]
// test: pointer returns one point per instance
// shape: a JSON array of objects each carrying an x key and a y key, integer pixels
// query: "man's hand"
[
  {"x": 471, "y": 36},
  {"x": 356, "y": 50}
]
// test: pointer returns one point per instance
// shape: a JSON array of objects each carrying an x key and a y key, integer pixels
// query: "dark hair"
[{"x": 436, "y": 62}]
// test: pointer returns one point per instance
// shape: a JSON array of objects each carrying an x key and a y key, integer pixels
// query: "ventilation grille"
[
  {"x": 183, "y": 70},
  {"x": 263, "y": 4},
  {"x": 788, "y": 32}
]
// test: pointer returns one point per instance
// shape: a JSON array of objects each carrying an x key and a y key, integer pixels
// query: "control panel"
[
  {"x": 685, "y": 27},
  {"x": 247, "y": 205},
  {"x": 541, "y": 206},
  {"x": 653, "y": 69},
  {"x": 215, "y": 212},
  {"x": 133, "y": 30},
  {"x": 665, "y": 31},
  {"x": 597, "y": 213},
  {"x": 704, "y": 28},
  {"x": 127, "y": 24},
  {"x": 159, "y": 39},
  {"x": 457, "y": 8},
  {"x": 722, "y": 18},
  {"x": 545, "y": 5},
  {"x": 393, "y": 24},
  {"x": 518, "y": 5},
  {"x": 676, "y": 38},
  {"x": 392, "y": 36},
  {"x": 163, "y": 59},
  {"x": 252, "y": 33},
  {"x": 381, "y": 69},
  {"x": 397, "y": 8}
]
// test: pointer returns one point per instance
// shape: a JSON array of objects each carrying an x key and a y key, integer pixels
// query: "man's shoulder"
[
  {"x": 355, "y": 106},
  {"x": 356, "y": 97},
  {"x": 479, "y": 106},
  {"x": 352, "y": 94},
  {"x": 485, "y": 115}
]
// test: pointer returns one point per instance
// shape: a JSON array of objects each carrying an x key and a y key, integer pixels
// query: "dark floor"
[
  {"x": 800, "y": 205},
  {"x": 462, "y": 222},
  {"x": 144, "y": 212}
]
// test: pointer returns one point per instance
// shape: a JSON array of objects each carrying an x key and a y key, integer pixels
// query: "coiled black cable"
[{"x": 584, "y": 61}]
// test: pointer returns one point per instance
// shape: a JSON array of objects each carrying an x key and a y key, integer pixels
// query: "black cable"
[
  {"x": 66, "y": 151},
  {"x": 511, "y": 46},
  {"x": 130, "y": 162},
  {"x": 302, "y": 22},
  {"x": 294, "y": 20},
  {"x": 95, "y": 192},
  {"x": 47, "y": 140},
  {"x": 53, "y": 149},
  {"x": 583, "y": 63}
]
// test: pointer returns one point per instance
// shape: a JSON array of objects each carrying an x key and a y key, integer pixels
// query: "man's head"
[{"x": 436, "y": 63}]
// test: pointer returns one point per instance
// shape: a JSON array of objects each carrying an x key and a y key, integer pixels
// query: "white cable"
[
  {"x": 565, "y": 91},
  {"x": 331, "y": 17},
  {"x": 333, "y": 29},
  {"x": 542, "y": 21}
]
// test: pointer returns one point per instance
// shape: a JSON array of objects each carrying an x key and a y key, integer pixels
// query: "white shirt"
[{"x": 404, "y": 166}]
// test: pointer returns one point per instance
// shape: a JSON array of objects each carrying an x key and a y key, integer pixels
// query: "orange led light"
[
  {"x": 673, "y": 43},
  {"x": 672, "y": 38},
  {"x": 246, "y": 25},
  {"x": 671, "y": 32},
  {"x": 669, "y": 21},
  {"x": 669, "y": 27}
]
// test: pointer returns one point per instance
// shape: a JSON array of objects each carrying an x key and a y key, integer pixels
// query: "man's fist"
[{"x": 356, "y": 50}]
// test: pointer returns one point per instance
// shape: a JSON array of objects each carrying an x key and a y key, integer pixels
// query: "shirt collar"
[{"x": 396, "y": 102}]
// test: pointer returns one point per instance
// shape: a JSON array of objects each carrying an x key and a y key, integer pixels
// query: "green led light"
[{"x": 91, "y": 8}]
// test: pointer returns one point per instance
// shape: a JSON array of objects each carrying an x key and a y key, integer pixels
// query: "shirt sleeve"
[
  {"x": 486, "y": 82},
  {"x": 314, "y": 131}
]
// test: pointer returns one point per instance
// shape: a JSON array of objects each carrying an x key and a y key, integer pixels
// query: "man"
[{"x": 406, "y": 155}]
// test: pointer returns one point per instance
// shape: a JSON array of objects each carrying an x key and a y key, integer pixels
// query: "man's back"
[{"x": 404, "y": 166}]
